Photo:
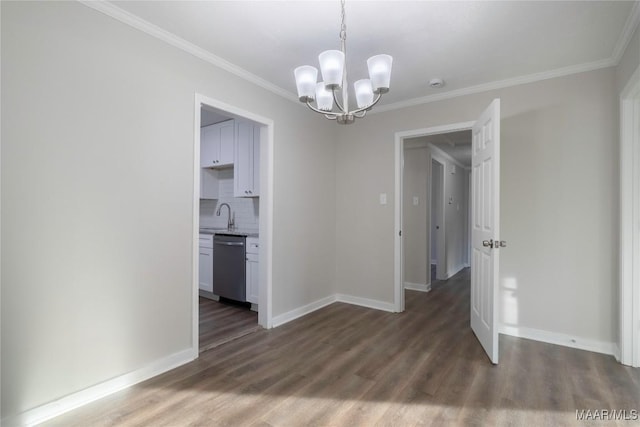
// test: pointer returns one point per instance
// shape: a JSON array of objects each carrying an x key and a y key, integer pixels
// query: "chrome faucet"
[{"x": 230, "y": 221}]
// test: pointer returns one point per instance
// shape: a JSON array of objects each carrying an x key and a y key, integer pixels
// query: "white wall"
[
  {"x": 559, "y": 200},
  {"x": 97, "y": 171},
  {"x": 417, "y": 169}
]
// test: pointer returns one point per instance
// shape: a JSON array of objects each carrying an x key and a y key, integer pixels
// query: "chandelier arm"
[
  {"x": 330, "y": 117},
  {"x": 364, "y": 113},
  {"x": 317, "y": 110},
  {"x": 335, "y": 99},
  {"x": 368, "y": 107}
]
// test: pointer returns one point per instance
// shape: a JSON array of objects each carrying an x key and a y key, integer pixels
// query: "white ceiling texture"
[{"x": 473, "y": 45}]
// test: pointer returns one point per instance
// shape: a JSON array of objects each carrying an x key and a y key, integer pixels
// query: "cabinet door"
[
  {"x": 252, "y": 278},
  {"x": 226, "y": 143},
  {"x": 209, "y": 186},
  {"x": 243, "y": 162},
  {"x": 205, "y": 276},
  {"x": 209, "y": 146}
]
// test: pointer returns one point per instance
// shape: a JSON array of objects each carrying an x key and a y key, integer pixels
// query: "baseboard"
[
  {"x": 58, "y": 407},
  {"x": 208, "y": 294},
  {"x": 366, "y": 302},
  {"x": 417, "y": 286},
  {"x": 616, "y": 352},
  {"x": 559, "y": 339},
  {"x": 455, "y": 271},
  {"x": 283, "y": 318}
]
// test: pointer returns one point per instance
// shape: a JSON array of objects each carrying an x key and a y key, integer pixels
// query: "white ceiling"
[{"x": 468, "y": 44}]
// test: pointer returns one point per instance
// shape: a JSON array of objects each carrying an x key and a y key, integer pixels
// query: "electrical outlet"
[{"x": 383, "y": 198}]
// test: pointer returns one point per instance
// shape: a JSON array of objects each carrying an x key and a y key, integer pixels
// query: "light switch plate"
[
  {"x": 416, "y": 201},
  {"x": 383, "y": 198}
]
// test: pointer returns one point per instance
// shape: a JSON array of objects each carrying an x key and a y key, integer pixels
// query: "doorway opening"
[
  {"x": 233, "y": 223},
  {"x": 485, "y": 220},
  {"x": 436, "y": 200}
]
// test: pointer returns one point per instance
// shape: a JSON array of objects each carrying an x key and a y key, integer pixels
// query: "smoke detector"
[{"x": 436, "y": 83}]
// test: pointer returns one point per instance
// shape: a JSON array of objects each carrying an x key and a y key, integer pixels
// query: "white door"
[{"x": 485, "y": 220}]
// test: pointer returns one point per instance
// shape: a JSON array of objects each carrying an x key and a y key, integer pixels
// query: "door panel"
[{"x": 485, "y": 163}]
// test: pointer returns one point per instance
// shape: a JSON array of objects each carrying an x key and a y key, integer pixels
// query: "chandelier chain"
[{"x": 343, "y": 27}]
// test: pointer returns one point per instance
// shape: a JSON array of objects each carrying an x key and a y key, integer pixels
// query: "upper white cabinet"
[
  {"x": 209, "y": 186},
  {"x": 246, "y": 172},
  {"x": 217, "y": 144}
]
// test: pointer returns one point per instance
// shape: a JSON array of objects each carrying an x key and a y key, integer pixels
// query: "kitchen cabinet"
[
  {"x": 217, "y": 144},
  {"x": 246, "y": 160},
  {"x": 253, "y": 270},
  {"x": 209, "y": 187},
  {"x": 205, "y": 264}
]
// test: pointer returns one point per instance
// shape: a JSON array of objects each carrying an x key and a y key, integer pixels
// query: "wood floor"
[
  {"x": 223, "y": 322},
  {"x": 345, "y": 365}
]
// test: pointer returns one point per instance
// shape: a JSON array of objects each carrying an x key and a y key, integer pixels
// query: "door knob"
[
  {"x": 501, "y": 244},
  {"x": 488, "y": 243}
]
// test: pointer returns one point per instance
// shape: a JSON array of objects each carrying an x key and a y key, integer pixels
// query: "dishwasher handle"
[{"x": 230, "y": 243}]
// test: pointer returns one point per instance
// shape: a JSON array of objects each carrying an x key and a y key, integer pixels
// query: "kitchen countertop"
[{"x": 236, "y": 232}]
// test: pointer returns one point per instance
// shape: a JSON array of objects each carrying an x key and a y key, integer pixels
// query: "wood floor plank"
[{"x": 345, "y": 365}]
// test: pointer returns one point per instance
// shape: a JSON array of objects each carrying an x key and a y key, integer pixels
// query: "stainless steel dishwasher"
[{"x": 229, "y": 256}]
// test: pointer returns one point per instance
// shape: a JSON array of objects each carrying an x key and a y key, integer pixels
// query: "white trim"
[
  {"x": 138, "y": 23},
  {"x": 399, "y": 137},
  {"x": 195, "y": 231},
  {"x": 446, "y": 156},
  {"x": 500, "y": 84},
  {"x": 630, "y": 222},
  {"x": 265, "y": 301},
  {"x": 366, "y": 302},
  {"x": 616, "y": 352},
  {"x": 627, "y": 32},
  {"x": 455, "y": 271},
  {"x": 559, "y": 339},
  {"x": 58, "y": 407},
  {"x": 421, "y": 287},
  {"x": 296, "y": 313},
  {"x": 153, "y": 30},
  {"x": 398, "y": 257}
]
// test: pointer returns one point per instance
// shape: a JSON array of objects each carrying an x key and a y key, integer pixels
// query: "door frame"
[
  {"x": 629, "y": 304},
  {"x": 265, "y": 313},
  {"x": 398, "y": 294}
]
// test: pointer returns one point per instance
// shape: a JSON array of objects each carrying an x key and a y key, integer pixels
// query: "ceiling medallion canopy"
[{"x": 334, "y": 76}]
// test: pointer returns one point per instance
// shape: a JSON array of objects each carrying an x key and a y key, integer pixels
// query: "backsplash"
[{"x": 246, "y": 210}]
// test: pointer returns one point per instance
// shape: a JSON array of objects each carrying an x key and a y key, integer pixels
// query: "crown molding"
[
  {"x": 441, "y": 153},
  {"x": 134, "y": 21},
  {"x": 500, "y": 84},
  {"x": 627, "y": 32}
]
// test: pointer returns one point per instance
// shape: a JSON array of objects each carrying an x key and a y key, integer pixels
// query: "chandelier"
[{"x": 334, "y": 76}]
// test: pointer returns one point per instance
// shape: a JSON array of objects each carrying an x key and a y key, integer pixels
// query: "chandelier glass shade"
[{"x": 333, "y": 88}]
